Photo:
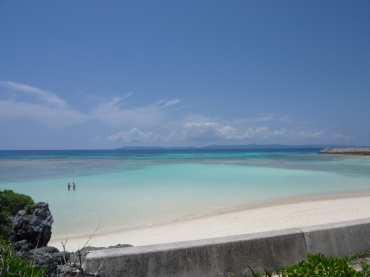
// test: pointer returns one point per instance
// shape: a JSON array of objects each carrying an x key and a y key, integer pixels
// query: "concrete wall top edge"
[
  {"x": 334, "y": 225},
  {"x": 187, "y": 244}
]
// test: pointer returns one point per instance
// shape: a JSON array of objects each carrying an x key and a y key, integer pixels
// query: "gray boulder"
[
  {"x": 34, "y": 227},
  {"x": 43, "y": 259},
  {"x": 21, "y": 248}
]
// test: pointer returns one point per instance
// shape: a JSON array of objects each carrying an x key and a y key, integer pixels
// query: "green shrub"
[
  {"x": 365, "y": 270},
  {"x": 11, "y": 265},
  {"x": 319, "y": 265},
  {"x": 11, "y": 203}
]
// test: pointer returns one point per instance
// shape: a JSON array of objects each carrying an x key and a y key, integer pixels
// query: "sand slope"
[{"x": 257, "y": 217}]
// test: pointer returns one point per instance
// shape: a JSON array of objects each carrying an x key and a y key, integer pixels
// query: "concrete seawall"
[{"x": 229, "y": 256}]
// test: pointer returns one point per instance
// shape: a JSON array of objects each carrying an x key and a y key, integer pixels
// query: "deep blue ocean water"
[{"x": 128, "y": 188}]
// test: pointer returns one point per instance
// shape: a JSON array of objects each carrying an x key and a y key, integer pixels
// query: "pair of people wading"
[{"x": 69, "y": 186}]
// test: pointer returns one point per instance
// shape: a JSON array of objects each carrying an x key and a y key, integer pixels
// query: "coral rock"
[{"x": 35, "y": 227}]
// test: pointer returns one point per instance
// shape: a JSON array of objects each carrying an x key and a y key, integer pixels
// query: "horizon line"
[{"x": 217, "y": 146}]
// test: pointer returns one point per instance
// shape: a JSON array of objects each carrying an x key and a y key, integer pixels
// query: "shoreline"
[{"x": 270, "y": 215}]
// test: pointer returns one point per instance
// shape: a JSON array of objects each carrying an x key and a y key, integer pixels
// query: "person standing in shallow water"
[
  {"x": 69, "y": 186},
  {"x": 74, "y": 186}
]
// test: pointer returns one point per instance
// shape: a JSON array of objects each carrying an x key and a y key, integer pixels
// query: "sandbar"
[{"x": 256, "y": 217}]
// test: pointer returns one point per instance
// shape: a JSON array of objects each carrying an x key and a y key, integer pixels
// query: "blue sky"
[{"x": 107, "y": 74}]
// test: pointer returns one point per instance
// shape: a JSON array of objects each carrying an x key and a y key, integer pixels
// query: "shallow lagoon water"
[{"x": 118, "y": 189}]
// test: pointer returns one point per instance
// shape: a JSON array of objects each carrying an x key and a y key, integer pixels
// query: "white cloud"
[
  {"x": 340, "y": 136},
  {"x": 47, "y": 108},
  {"x": 43, "y": 95},
  {"x": 133, "y": 135},
  {"x": 208, "y": 131},
  {"x": 257, "y": 133},
  {"x": 213, "y": 131},
  {"x": 112, "y": 114},
  {"x": 300, "y": 134},
  {"x": 43, "y": 114},
  {"x": 171, "y": 103},
  {"x": 259, "y": 119}
]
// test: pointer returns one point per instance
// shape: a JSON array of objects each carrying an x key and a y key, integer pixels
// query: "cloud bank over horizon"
[{"x": 152, "y": 124}]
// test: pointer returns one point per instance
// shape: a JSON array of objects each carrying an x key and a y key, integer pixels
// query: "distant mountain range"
[{"x": 246, "y": 146}]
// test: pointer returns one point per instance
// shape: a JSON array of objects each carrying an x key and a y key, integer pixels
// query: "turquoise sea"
[{"x": 128, "y": 188}]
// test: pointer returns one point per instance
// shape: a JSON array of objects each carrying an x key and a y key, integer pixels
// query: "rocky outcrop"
[
  {"x": 34, "y": 227},
  {"x": 346, "y": 151},
  {"x": 31, "y": 232},
  {"x": 46, "y": 257},
  {"x": 59, "y": 264}
]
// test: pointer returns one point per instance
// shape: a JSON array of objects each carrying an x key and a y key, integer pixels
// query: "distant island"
[
  {"x": 346, "y": 151},
  {"x": 245, "y": 146}
]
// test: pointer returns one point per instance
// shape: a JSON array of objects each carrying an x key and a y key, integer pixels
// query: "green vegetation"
[
  {"x": 319, "y": 265},
  {"x": 11, "y": 203},
  {"x": 11, "y": 265}
]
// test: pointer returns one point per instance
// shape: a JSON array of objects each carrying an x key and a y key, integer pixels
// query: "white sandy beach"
[{"x": 258, "y": 217}]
